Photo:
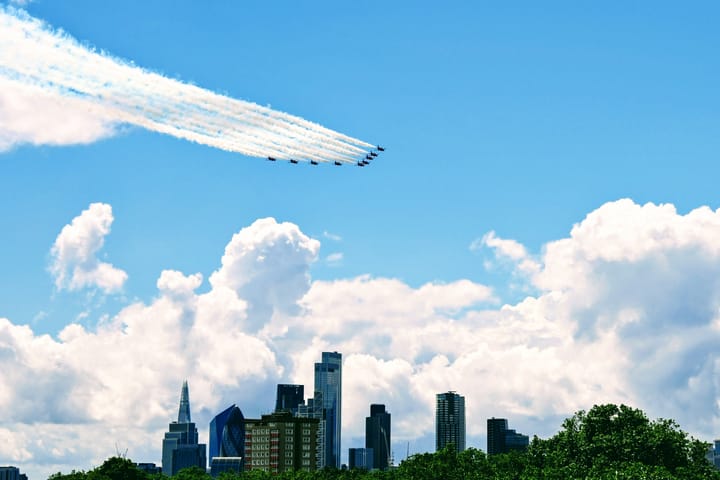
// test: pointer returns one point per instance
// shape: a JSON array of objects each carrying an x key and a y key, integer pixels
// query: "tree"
[{"x": 613, "y": 440}]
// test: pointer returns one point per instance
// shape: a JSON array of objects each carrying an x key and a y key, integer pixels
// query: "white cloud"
[
  {"x": 29, "y": 114},
  {"x": 334, "y": 259},
  {"x": 628, "y": 311},
  {"x": 508, "y": 250},
  {"x": 332, "y": 236},
  {"x": 74, "y": 254}
]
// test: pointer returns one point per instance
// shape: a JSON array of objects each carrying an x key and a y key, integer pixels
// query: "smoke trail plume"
[{"x": 35, "y": 58}]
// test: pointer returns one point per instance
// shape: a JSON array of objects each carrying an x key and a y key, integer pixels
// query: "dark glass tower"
[
  {"x": 377, "y": 436},
  {"x": 289, "y": 397},
  {"x": 501, "y": 439},
  {"x": 496, "y": 435},
  {"x": 180, "y": 448},
  {"x": 328, "y": 381},
  {"x": 450, "y": 421}
]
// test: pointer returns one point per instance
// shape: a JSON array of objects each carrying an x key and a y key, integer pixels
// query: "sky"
[{"x": 541, "y": 234}]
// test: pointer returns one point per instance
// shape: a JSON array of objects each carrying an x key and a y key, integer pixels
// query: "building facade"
[
  {"x": 180, "y": 448},
  {"x": 289, "y": 397},
  {"x": 450, "y": 421},
  {"x": 313, "y": 408},
  {"x": 227, "y": 440},
  {"x": 377, "y": 436},
  {"x": 11, "y": 473},
  {"x": 361, "y": 458},
  {"x": 501, "y": 439},
  {"x": 281, "y": 442},
  {"x": 328, "y": 382}
]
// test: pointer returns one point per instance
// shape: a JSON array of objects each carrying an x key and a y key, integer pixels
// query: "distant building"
[
  {"x": 313, "y": 408},
  {"x": 180, "y": 448},
  {"x": 361, "y": 458},
  {"x": 328, "y": 381},
  {"x": 716, "y": 454},
  {"x": 11, "y": 473},
  {"x": 500, "y": 439},
  {"x": 227, "y": 441},
  {"x": 280, "y": 442},
  {"x": 377, "y": 436},
  {"x": 289, "y": 397},
  {"x": 450, "y": 421},
  {"x": 149, "y": 468}
]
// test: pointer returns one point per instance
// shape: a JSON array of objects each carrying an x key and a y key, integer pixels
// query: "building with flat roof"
[
  {"x": 289, "y": 397},
  {"x": 281, "y": 442},
  {"x": 377, "y": 436},
  {"x": 501, "y": 439},
  {"x": 361, "y": 458},
  {"x": 328, "y": 381},
  {"x": 450, "y": 421}
]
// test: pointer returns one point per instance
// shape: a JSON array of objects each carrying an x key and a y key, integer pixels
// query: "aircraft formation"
[{"x": 370, "y": 156}]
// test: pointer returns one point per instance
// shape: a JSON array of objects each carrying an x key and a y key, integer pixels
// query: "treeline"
[{"x": 608, "y": 442}]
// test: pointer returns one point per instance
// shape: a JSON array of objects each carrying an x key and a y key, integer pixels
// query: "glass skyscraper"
[
  {"x": 289, "y": 397},
  {"x": 328, "y": 381},
  {"x": 450, "y": 421},
  {"x": 377, "y": 436},
  {"x": 180, "y": 448},
  {"x": 227, "y": 441}
]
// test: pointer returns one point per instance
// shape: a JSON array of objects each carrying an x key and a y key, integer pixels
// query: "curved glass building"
[{"x": 227, "y": 433}]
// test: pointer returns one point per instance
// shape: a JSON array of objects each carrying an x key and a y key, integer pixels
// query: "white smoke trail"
[{"x": 32, "y": 54}]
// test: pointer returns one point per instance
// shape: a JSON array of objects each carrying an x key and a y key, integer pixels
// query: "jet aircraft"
[
  {"x": 272, "y": 159},
  {"x": 292, "y": 160}
]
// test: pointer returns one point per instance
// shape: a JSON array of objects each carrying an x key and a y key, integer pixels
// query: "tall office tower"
[
  {"x": 328, "y": 381},
  {"x": 501, "y": 439},
  {"x": 280, "y": 442},
  {"x": 377, "y": 436},
  {"x": 227, "y": 441},
  {"x": 11, "y": 473},
  {"x": 496, "y": 435},
  {"x": 289, "y": 397},
  {"x": 450, "y": 421},
  {"x": 180, "y": 447},
  {"x": 716, "y": 454}
]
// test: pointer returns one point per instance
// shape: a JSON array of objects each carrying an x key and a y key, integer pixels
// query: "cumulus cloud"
[
  {"x": 627, "y": 310},
  {"x": 75, "y": 264}
]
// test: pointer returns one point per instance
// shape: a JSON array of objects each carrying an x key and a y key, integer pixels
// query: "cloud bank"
[
  {"x": 86, "y": 95},
  {"x": 627, "y": 310}
]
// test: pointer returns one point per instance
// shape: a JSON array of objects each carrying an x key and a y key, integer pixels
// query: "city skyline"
[{"x": 541, "y": 232}]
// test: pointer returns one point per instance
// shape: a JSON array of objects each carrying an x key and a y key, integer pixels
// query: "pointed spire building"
[
  {"x": 184, "y": 410},
  {"x": 180, "y": 447}
]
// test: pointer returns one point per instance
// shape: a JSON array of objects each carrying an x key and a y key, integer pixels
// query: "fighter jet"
[
  {"x": 380, "y": 149},
  {"x": 272, "y": 159},
  {"x": 368, "y": 157},
  {"x": 338, "y": 163},
  {"x": 360, "y": 164},
  {"x": 313, "y": 162},
  {"x": 373, "y": 154},
  {"x": 292, "y": 160}
]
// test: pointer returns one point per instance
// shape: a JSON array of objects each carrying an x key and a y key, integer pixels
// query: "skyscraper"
[
  {"x": 450, "y": 421},
  {"x": 289, "y": 397},
  {"x": 377, "y": 436},
  {"x": 328, "y": 381},
  {"x": 496, "y": 435},
  {"x": 227, "y": 441},
  {"x": 501, "y": 439},
  {"x": 180, "y": 447}
]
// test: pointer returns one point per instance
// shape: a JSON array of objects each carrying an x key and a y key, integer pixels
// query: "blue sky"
[{"x": 516, "y": 118}]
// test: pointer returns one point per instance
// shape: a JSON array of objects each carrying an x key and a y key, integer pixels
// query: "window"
[
  {"x": 306, "y": 431},
  {"x": 306, "y": 439},
  {"x": 306, "y": 447}
]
